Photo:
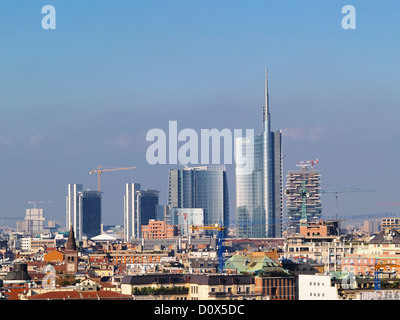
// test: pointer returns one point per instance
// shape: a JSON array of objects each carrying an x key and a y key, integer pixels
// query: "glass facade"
[
  {"x": 259, "y": 191},
  {"x": 72, "y": 206},
  {"x": 203, "y": 187},
  {"x": 186, "y": 217},
  {"x": 147, "y": 203},
  {"x": 90, "y": 213}
]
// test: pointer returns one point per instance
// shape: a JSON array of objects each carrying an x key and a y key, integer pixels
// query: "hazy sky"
[{"x": 86, "y": 93}]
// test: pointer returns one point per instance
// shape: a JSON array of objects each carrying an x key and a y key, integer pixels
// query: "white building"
[
  {"x": 33, "y": 223},
  {"x": 131, "y": 219},
  {"x": 72, "y": 207},
  {"x": 316, "y": 287},
  {"x": 186, "y": 217},
  {"x": 26, "y": 243}
]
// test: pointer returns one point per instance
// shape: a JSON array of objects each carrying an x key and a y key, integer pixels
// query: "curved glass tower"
[
  {"x": 259, "y": 192},
  {"x": 203, "y": 187}
]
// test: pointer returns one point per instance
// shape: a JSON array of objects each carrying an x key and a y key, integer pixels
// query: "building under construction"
[{"x": 303, "y": 187}]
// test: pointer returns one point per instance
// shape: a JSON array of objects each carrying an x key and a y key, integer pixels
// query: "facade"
[
  {"x": 259, "y": 205},
  {"x": 221, "y": 287},
  {"x": 33, "y": 223},
  {"x": 71, "y": 254},
  {"x": 276, "y": 288},
  {"x": 316, "y": 287},
  {"x": 72, "y": 206},
  {"x": 158, "y": 230},
  {"x": 147, "y": 201},
  {"x": 89, "y": 214},
  {"x": 83, "y": 211},
  {"x": 328, "y": 251},
  {"x": 131, "y": 218},
  {"x": 296, "y": 180},
  {"x": 203, "y": 187},
  {"x": 186, "y": 217},
  {"x": 390, "y": 223},
  {"x": 372, "y": 226},
  {"x": 320, "y": 228},
  {"x": 134, "y": 283},
  {"x": 164, "y": 213}
]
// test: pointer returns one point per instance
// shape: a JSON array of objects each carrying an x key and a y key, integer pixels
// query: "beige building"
[{"x": 221, "y": 287}]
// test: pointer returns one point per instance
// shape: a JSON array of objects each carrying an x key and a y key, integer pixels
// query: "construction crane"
[
  {"x": 220, "y": 242},
  {"x": 344, "y": 191},
  {"x": 307, "y": 163},
  {"x": 100, "y": 170},
  {"x": 36, "y": 202},
  {"x": 379, "y": 269}
]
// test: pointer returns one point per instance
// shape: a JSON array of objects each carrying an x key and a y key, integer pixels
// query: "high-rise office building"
[
  {"x": 203, "y": 187},
  {"x": 90, "y": 213},
  {"x": 131, "y": 228},
  {"x": 259, "y": 206},
  {"x": 33, "y": 223},
  {"x": 83, "y": 211},
  {"x": 72, "y": 206},
  {"x": 147, "y": 201},
  {"x": 164, "y": 214},
  {"x": 309, "y": 179},
  {"x": 140, "y": 206}
]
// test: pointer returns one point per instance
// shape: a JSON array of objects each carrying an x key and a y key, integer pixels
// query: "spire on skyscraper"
[{"x": 266, "y": 114}]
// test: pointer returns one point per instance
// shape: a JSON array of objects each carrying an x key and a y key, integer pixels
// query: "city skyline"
[{"x": 86, "y": 93}]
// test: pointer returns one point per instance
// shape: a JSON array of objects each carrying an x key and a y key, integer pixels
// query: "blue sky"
[{"x": 86, "y": 93}]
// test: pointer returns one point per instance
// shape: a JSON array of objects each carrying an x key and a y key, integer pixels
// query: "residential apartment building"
[
  {"x": 316, "y": 287},
  {"x": 159, "y": 230},
  {"x": 297, "y": 180},
  {"x": 221, "y": 287},
  {"x": 329, "y": 250},
  {"x": 276, "y": 288},
  {"x": 390, "y": 223}
]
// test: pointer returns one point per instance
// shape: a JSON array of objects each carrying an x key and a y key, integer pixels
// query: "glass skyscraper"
[
  {"x": 147, "y": 201},
  {"x": 202, "y": 187},
  {"x": 90, "y": 213},
  {"x": 83, "y": 211},
  {"x": 140, "y": 206},
  {"x": 72, "y": 207},
  {"x": 259, "y": 191}
]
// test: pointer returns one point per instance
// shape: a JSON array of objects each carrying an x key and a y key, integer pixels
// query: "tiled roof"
[
  {"x": 12, "y": 293},
  {"x": 74, "y": 295}
]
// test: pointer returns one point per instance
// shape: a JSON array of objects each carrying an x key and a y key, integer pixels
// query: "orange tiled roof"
[
  {"x": 12, "y": 293},
  {"x": 74, "y": 295}
]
